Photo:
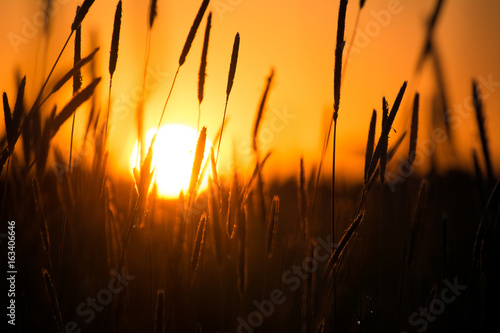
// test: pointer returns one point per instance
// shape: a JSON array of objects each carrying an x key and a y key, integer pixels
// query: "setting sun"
[{"x": 173, "y": 156}]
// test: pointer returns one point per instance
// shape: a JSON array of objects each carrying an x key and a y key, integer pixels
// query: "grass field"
[{"x": 409, "y": 247}]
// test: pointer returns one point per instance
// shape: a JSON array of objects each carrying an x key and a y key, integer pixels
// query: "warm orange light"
[{"x": 173, "y": 156}]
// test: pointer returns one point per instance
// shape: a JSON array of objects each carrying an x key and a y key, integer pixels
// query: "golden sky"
[{"x": 297, "y": 39}]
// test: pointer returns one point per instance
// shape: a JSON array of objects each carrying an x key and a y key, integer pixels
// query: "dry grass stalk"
[
  {"x": 160, "y": 312},
  {"x": 232, "y": 66},
  {"x": 386, "y": 129},
  {"x": 370, "y": 144},
  {"x": 233, "y": 205},
  {"x": 152, "y": 13},
  {"x": 248, "y": 188},
  {"x": 416, "y": 223},
  {"x": 481, "y": 190},
  {"x": 80, "y": 15},
  {"x": 339, "y": 250},
  {"x": 199, "y": 243},
  {"x": 44, "y": 232},
  {"x": 337, "y": 80},
  {"x": 198, "y": 160},
  {"x": 390, "y": 154},
  {"x": 385, "y": 141},
  {"x": 54, "y": 303},
  {"x": 9, "y": 126},
  {"x": 303, "y": 203},
  {"x": 214, "y": 214},
  {"x": 215, "y": 176},
  {"x": 262, "y": 196},
  {"x": 242, "y": 233},
  {"x": 43, "y": 145},
  {"x": 13, "y": 121},
  {"x": 113, "y": 234},
  {"x": 230, "y": 81},
  {"x": 409, "y": 244},
  {"x": 272, "y": 227},
  {"x": 77, "y": 81},
  {"x": 180, "y": 225},
  {"x": 192, "y": 32},
  {"x": 71, "y": 107},
  {"x": 113, "y": 57},
  {"x": 203, "y": 67},
  {"x": 203, "y": 64},
  {"x": 321, "y": 327},
  {"x": 260, "y": 111},
  {"x": 478, "y": 106},
  {"x": 185, "y": 50},
  {"x": 77, "y": 77},
  {"x": 71, "y": 73},
  {"x": 339, "y": 49},
  {"x": 412, "y": 152}
]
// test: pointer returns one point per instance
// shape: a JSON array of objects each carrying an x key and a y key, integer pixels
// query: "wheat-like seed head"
[
  {"x": 199, "y": 243},
  {"x": 192, "y": 32},
  {"x": 113, "y": 57},
  {"x": 272, "y": 226},
  {"x": 80, "y": 15}
]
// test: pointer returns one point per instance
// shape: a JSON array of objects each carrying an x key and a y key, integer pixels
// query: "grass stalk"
[{"x": 230, "y": 81}]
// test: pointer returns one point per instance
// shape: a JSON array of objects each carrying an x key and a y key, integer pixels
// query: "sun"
[{"x": 173, "y": 156}]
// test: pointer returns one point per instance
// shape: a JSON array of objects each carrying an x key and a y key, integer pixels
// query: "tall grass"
[{"x": 209, "y": 244}]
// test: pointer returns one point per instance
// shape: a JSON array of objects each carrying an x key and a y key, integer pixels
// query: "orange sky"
[{"x": 297, "y": 38}]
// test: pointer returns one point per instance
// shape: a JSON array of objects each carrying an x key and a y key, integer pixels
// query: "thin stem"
[
  {"x": 140, "y": 115},
  {"x": 107, "y": 113},
  {"x": 168, "y": 97},
  {"x": 5, "y": 188},
  {"x": 323, "y": 155},
  {"x": 222, "y": 130},
  {"x": 52, "y": 70},
  {"x": 380, "y": 257},
  {"x": 333, "y": 178},
  {"x": 71, "y": 142},
  {"x": 348, "y": 54},
  {"x": 199, "y": 116}
]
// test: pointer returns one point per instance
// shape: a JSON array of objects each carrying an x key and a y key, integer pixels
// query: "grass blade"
[
  {"x": 261, "y": 110},
  {"x": 71, "y": 107},
  {"x": 478, "y": 106},
  {"x": 386, "y": 129},
  {"x": 370, "y": 143},
  {"x": 71, "y": 73},
  {"x": 272, "y": 227},
  {"x": 414, "y": 131},
  {"x": 198, "y": 160}
]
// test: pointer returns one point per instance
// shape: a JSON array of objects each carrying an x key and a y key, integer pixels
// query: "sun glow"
[{"x": 173, "y": 156}]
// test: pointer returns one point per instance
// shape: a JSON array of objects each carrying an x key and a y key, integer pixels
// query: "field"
[{"x": 412, "y": 245}]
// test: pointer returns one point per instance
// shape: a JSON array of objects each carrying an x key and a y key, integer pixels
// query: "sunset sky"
[{"x": 297, "y": 39}]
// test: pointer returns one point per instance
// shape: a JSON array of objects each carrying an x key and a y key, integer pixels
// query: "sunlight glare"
[{"x": 173, "y": 156}]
